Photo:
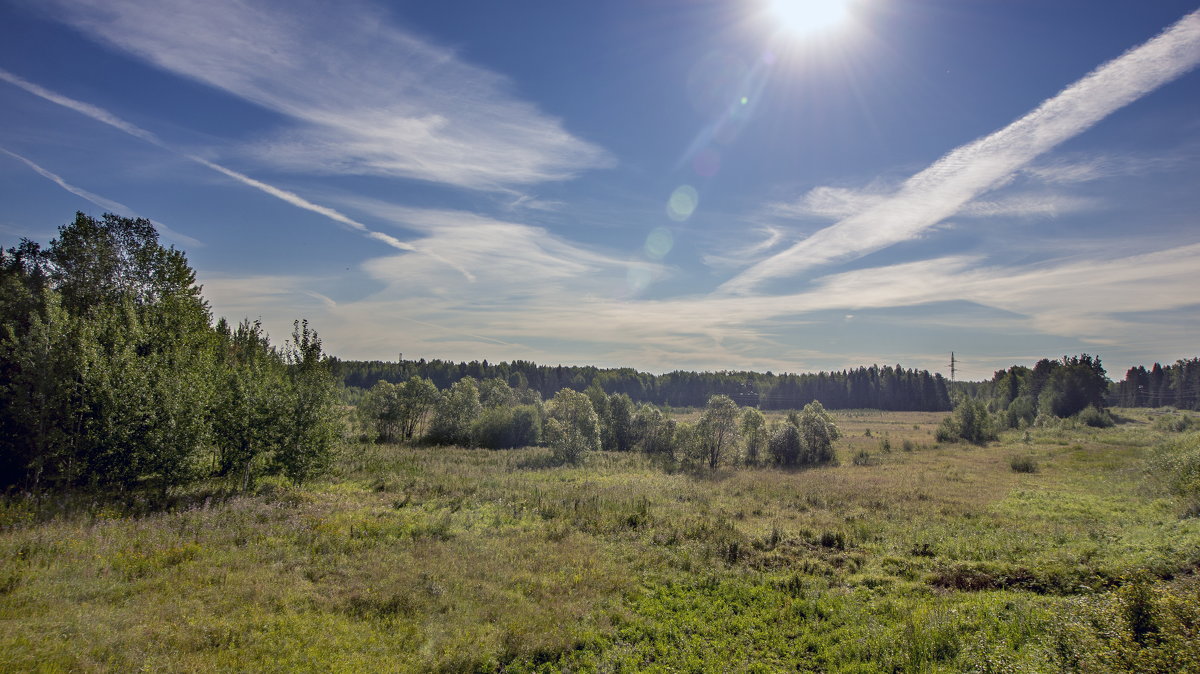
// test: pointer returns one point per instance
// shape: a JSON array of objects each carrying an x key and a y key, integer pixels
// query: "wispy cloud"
[
  {"x": 107, "y": 204},
  {"x": 106, "y": 117},
  {"x": 1028, "y": 205},
  {"x": 364, "y": 96},
  {"x": 1088, "y": 168},
  {"x": 509, "y": 259},
  {"x": 837, "y": 203},
  {"x": 559, "y": 302},
  {"x": 956, "y": 179},
  {"x": 740, "y": 256}
]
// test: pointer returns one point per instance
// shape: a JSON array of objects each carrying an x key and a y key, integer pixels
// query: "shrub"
[
  {"x": 784, "y": 446},
  {"x": 1175, "y": 423},
  {"x": 1096, "y": 418},
  {"x": 1180, "y": 464},
  {"x": 970, "y": 422},
  {"x": 573, "y": 428},
  {"x": 863, "y": 458},
  {"x": 508, "y": 427},
  {"x": 1023, "y": 464},
  {"x": 455, "y": 413}
]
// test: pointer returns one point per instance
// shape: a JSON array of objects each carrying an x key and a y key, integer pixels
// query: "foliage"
[
  {"x": 395, "y": 411},
  {"x": 969, "y": 423},
  {"x": 112, "y": 375},
  {"x": 652, "y": 432},
  {"x": 572, "y": 427},
  {"x": 1174, "y": 385},
  {"x": 508, "y": 427},
  {"x": 311, "y": 423},
  {"x": 1023, "y": 463},
  {"x": 1179, "y": 463},
  {"x": 817, "y": 432},
  {"x": 717, "y": 430},
  {"x": 887, "y": 387},
  {"x": 251, "y": 401},
  {"x": 1176, "y": 423},
  {"x": 786, "y": 447},
  {"x": 620, "y": 420},
  {"x": 495, "y": 393},
  {"x": 754, "y": 436},
  {"x": 381, "y": 411},
  {"x": 1060, "y": 388},
  {"x": 454, "y": 414},
  {"x": 1095, "y": 417},
  {"x": 406, "y": 559}
]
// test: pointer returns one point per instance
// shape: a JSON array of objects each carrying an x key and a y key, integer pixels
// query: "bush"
[
  {"x": 1023, "y": 464},
  {"x": 970, "y": 422},
  {"x": 1176, "y": 423},
  {"x": 508, "y": 427},
  {"x": 1179, "y": 463},
  {"x": 1096, "y": 418},
  {"x": 863, "y": 458},
  {"x": 785, "y": 446},
  {"x": 573, "y": 428}
]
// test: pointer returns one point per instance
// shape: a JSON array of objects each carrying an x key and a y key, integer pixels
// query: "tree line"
[
  {"x": 1175, "y": 385},
  {"x": 492, "y": 414},
  {"x": 886, "y": 388},
  {"x": 114, "y": 375}
]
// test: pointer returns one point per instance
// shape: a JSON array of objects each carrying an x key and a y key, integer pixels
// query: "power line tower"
[{"x": 952, "y": 366}]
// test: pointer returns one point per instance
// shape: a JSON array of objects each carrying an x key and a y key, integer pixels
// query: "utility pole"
[{"x": 952, "y": 366}]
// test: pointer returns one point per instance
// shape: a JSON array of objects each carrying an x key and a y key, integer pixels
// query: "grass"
[{"x": 922, "y": 558}]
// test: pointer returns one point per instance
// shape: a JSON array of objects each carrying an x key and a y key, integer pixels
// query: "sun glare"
[{"x": 807, "y": 17}]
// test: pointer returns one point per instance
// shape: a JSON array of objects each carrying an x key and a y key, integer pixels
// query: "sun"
[{"x": 802, "y": 18}]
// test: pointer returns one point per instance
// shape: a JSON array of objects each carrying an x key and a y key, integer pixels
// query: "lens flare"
[
  {"x": 638, "y": 279},
  {"x": 682, "y": 203},
  {"x": 658, "y": 243}
]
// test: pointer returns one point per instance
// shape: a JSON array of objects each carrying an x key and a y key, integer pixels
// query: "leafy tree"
[
  {"x": 572, "y": 427},
  {"x": 817, "y": 433},
  {"x": 418, "y": 396},
  {"x": 652, "y": 432},
  {"x": 456, "y": 411},
  {"x": 1073, "y": 385},
  {"x": 970, "y": 422},
  {"x": 41, "y": 410},
  {"x": 135, "y": 385},
  {"x": 382, "y": 411},
  {"x": 754, "y": 434},
  {"x": 620, "y": 419},
  {"x": 785, "y": 445},
  {"x": 600, "y": 404},
  {"x": 496, "y": 392},
  {"x": 312, "y": 425},
  {"x": 112, "y": 375},
  {"x": 508, "y": 427},
  {"x": 251, "y": 401},
  {"x": 717, "y": 430}
]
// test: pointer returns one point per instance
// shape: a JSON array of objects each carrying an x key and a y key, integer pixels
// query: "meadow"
[{"x": 1064, "y": 548}]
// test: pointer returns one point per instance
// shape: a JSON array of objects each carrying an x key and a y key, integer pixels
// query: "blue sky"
[{"x": 658, "y": 184}]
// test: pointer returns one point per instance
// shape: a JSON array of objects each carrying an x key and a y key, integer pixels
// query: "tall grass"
[{"x": 444, "y": 559}]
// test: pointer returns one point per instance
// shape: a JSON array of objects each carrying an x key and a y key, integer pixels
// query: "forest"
[{"x": 886, "y": 388}]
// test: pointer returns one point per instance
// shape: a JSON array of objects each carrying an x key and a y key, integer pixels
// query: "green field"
[{"x": 1058, "y": 549}]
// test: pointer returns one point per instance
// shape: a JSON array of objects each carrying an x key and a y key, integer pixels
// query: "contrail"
[
  {"x": 106, "y": 204},
  {"x": 943, "y": 188},
  {"x": 102, "y": 115}
]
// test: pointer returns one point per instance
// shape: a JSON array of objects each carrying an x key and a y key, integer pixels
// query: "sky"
[{"x": 660, "y": 184}]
